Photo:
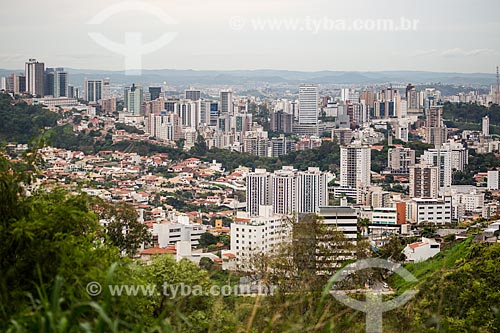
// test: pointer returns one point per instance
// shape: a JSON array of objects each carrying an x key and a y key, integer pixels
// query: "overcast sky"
[{"x": 451, "y": 35}]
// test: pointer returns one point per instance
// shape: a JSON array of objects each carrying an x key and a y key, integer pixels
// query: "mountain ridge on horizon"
[{"x": 190, "y": 76}]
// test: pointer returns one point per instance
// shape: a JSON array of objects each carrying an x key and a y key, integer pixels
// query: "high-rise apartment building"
[
  {"x": 493, "y": 180},
  {"x": 35, "y": 75},
  {"x": 424, "y": 181},
  {"x": 281, "y": 122},
  {"x": 133, "y": 98},
  {"x": 312, "y": 190},
  {"x": 355, "y": 166},
  {"x": 288, "y": 190},
  {"x": 256, "y": 235},
  {"x": 189, "y": 113},
  {"x": 15, "y": 83},
  {"x": 436, "y": 131},
  {"x": 257, "y": 190},
  {"x": 486, "y": 126},
  {"x": 283, "y": 190}
]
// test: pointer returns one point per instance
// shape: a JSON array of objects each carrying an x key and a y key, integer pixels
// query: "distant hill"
[{"x": 181, "y": 77}]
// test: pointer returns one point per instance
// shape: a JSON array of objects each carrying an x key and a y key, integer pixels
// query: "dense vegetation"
[
  {"x": 21, "y": 122},
  {"x": 469, "y": 116}
]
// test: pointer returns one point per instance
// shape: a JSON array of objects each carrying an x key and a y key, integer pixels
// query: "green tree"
[
  {"x": 122, "y": 227},
  {"x": 207, "y": 239}
]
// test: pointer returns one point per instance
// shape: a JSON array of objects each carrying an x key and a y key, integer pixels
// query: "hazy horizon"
[{"x": 448, "y": 36}]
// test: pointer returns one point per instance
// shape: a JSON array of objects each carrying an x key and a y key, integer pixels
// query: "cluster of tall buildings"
[
  {"x": 287, "y": 190},
  {"x": 39, "y": 81}
]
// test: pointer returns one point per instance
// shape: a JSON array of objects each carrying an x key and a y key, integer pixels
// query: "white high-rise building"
[
  {"x": 344, "y": 94},
  {"x": 493, "y": 180},
  {"x": 355, "y": 166},
  {"x": 189, "y": 113},
  {"x": 451, "y": 157},
  {"x": 486, "y": 126},
  {"x": 308, "y": 104},
  {"x": 257, "y": 190},
  {"x": 287, "y": 190},
  {"x": 284, "y": 184},
  {"x": 312, "y": 190}
]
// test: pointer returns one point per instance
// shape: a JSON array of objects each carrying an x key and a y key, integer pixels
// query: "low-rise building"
[
  {"x": 421, "y": 251},
  {"x": 438, "y": 211}
]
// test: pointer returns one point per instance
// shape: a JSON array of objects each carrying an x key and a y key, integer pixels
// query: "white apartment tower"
[
  {"x": 312, "y": 190},
  {"x": 287, "y": 190},
  {"x": 257, "y": 190},
  {"x": 355, "y": 166},
  {"x": 486, "y": 126},
  {"x": 308, "y": 104}
]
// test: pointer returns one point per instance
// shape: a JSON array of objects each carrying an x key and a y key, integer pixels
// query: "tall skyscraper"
[
  {"x": 486, "y": 126},
  {"x": 93, "y": 90},
  {"x": 35, "y": 74},
  {"x": 155, "y": 92},
  {"x": 436, "y": 131},
  {"x": 133, "y": 98},
  {"x": 355, "y": 166},
  {"x": 226, "y": 102},
  {"x": 424, "y": 181},
  {"x": 193, "y": 95},
  {"x": 189, "y": 113},
  {"x": 56, "y": 82},
  {"x": 257, "y": 190},
  {"x": 308, "y": 104},
  {"x": 312, "y": 190},
  {"x": 283, "y": 190}
]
